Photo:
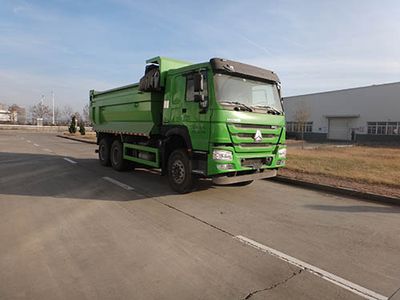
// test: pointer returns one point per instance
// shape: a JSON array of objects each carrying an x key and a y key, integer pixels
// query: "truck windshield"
[{"x": 249, "y": 93}]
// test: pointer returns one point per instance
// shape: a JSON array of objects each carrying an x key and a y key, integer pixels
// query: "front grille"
[
  {"x": 243, "y": 137},
  {"x": 255, "y": 145},
  {"x": 256, "y": 163},
  {"x": 251, "y": 135},
  {"x": 255, "y": 127}
]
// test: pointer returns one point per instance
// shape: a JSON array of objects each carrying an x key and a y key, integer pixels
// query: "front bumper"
[
  {"x": 250, "y": 162},
  {"x": 242, "y": 178}
]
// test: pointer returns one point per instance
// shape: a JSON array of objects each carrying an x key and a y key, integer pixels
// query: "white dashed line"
[
  {"x": 70, "y": 160},
  {"x": 28, "y": 141},
  {"x": 352, "y": 287},
  {"x": 48, "y": 150},
  {"x": 36, "y": 145},
  {"x": 120, "y": 184}
]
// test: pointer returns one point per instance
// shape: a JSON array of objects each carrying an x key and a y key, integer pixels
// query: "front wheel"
[{"x": 180, "y": 171}]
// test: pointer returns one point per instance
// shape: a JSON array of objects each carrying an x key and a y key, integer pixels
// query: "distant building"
[
  {"x": 18, "y": 114},
  {"x": 368, "y": 114},
  {"x": 12, "y": 114},
  {"x": 5, "y": 116}
]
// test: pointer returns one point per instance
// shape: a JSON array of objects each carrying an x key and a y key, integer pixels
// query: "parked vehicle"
[{"x": 219, "y": 119}]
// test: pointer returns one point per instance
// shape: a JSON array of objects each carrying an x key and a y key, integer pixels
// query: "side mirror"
[
  {"x": 198, "y": 80},
  {"x": 199, "y": 98},
  {"x": 203, "y": 106}
]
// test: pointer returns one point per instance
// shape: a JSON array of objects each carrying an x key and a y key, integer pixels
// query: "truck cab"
[{"x": 234, "y": 117}]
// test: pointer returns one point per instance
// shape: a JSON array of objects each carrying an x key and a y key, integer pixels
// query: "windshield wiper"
[
  {"x": 238, "y": 104},
  {"x": 269, "y": 108}
]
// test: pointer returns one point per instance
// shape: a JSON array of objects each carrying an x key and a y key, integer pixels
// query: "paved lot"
[{"x": 70, "y": 230}]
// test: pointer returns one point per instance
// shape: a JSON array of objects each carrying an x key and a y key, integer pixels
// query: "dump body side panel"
[{"x": 126, "y": 110}]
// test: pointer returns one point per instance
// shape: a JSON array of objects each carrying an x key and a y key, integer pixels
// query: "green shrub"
[
  {"x": 82, "y": 128},
  {"x": 72, "y": 126}
]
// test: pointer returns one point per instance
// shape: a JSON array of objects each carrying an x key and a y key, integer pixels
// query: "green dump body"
[{"x": 126, "y": 110}]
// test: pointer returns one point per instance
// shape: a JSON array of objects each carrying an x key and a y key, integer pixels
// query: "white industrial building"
[
  {"x": 363, "y": 114},
  {"x": 5, "y": 116}
]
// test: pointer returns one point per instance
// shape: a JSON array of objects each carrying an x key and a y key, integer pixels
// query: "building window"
[
  {"x": 299, "y": 126},
  {"x": 384, "y": 128},
  {"x": 371, "y": 127},
  {"x": 393, "y": 128},
  {"x": 381, "y": 128}
]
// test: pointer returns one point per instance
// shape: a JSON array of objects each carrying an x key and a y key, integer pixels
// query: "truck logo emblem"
[{"x": 258, "y": 136}]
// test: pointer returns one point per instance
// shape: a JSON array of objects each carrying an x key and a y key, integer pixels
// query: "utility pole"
[{"x": 52, "y": 93}]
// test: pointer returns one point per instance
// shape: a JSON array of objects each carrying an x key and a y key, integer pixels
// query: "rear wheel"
[
  {"x": 180, "y": 171},
  {"x": 116, "y": 156},
  {"x": 104, "y": 152}
]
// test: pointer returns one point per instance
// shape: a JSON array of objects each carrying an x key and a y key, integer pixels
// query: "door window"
[{"x": 190, "y": 87}]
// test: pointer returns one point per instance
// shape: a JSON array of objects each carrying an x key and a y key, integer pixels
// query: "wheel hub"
[{"x": 178, "y": 171}]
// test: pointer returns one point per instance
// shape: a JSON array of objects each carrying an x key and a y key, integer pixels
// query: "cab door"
[{"x": 194, "y": 117}]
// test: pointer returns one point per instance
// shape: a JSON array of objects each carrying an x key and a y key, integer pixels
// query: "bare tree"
[
  {"x": 40, "y": 110},
  {"x": 57, "y": 115},
  {"x": 78, "y": 117},
  {"x": 85, "y": 114},
  {"x": 66, "y": 114},
  {"x": 302, "y": 116}
]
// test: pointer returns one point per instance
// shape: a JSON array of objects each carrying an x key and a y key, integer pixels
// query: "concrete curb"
[
  {"x": 76, "y": 139},
  {"x": 34, "y": 128},
  {"x": 338, "y": 190}
]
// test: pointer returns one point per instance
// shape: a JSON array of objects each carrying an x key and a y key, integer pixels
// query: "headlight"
[
  {"x": 282, "y": 153},
  {"x": 222, "y": 155}
]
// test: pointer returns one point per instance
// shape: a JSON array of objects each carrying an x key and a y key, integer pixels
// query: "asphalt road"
[{"x": 72, "y": 229}]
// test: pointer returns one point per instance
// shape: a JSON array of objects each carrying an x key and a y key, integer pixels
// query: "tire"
[
  {"x": 243, "y": 183},
  {"x": 180, "y": 172},
  {"x": 116, "y": 157},
  {"x": 104, "y": 152}
]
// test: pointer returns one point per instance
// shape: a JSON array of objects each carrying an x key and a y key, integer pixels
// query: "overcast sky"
[{"x": 70, "y": 47}]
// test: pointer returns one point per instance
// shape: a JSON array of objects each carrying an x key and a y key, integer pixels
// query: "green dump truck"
[{"x": 220, "y": 119}]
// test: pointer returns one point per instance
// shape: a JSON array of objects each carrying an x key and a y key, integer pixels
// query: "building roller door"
[{"x": 339, "y": 129}]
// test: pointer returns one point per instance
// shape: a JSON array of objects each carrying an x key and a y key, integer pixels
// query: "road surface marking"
[
  {"x": 116, "y": 182},
  {"x": 28, "y": 141},
  {"x": 70, "y": 160},
  {"x": 48, "y": 150},
  {"x": 36, "y": 145},
  {"x": 352, "y": 287}
]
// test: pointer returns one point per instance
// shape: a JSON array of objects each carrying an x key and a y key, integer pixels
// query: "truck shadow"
[
  {"x": 50, "y": 175},
  {"x": 356, "y": 208}
]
